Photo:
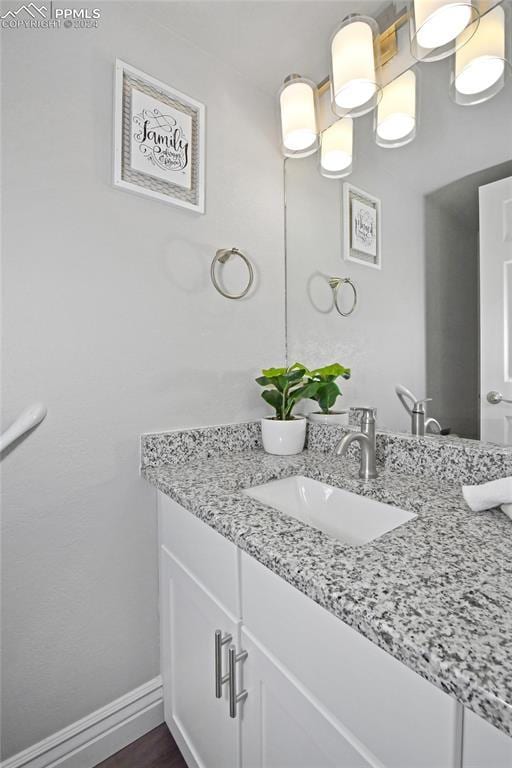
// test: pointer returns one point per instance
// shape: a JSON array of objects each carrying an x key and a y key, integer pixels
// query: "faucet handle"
[
  {"x": 418, "y": 405},
  {"x": 367, "y": 414}
]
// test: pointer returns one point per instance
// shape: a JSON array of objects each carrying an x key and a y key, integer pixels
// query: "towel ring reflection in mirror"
[
  {"x": 221, "y": 257},
  {"x": 335, "y": 283}
]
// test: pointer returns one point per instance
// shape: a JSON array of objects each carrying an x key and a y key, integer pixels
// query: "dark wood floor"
[{"x": 157, "y": 749}]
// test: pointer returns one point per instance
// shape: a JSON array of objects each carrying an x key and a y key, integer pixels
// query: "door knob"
[{"x": 494, "y": 398}]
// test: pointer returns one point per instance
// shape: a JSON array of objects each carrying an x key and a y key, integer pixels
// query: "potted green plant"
[
  {"x": 285, "y": 434},
  {"x": 327, "y": 392}
]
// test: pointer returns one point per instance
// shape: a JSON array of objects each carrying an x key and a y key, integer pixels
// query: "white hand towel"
[
  {"x": 507, "y": 509},
  {"x": 488, "y": 495}
]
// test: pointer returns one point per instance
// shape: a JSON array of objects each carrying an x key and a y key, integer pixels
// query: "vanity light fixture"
[
  {"x": 395, "y": 117},
  {"x": 336, "y": 149},
  {"x": 298, "y": 105},
  {"x": 478, "y": 71},
  {"x": 355, "y": 64},
  {"x": 473, "y": 30},
  {"x": 439, "y": 27}
]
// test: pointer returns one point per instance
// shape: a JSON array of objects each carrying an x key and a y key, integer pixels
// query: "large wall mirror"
[{"x": 436, "y": 317}]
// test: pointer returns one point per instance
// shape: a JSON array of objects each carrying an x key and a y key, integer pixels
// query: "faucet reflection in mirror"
[
  {"x": 474, "y": 31},
  {"x": 420, "y": 424}
]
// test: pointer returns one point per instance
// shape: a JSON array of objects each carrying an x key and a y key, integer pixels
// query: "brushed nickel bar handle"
[
  {"x": 220, "y": 679},
  {"x": 234, "y": 697}
]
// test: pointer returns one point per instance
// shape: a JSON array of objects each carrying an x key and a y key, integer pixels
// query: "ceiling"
[{"x": 264, "y": 40}]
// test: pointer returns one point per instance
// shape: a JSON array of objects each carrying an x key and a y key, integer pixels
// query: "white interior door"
[{"x": 496, "y": 311}]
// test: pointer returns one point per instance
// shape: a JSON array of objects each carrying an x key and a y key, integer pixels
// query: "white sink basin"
[{"x": 348, "y": 517}]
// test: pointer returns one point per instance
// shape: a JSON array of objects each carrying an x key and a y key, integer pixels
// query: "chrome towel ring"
[
  {"x": 221, "y": 257},
  {"x": 335, "y": 283}
]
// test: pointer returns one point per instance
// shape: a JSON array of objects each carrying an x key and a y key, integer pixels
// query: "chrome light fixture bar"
[{"x": 372, "y": 71}]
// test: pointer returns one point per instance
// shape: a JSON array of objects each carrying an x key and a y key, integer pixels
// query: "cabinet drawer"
[
  {"x": 212, "y": 559},
  {"x": 401, "y": 718}
]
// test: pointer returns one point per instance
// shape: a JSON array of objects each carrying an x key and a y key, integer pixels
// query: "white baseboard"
[{"x": 87, "y": 742}]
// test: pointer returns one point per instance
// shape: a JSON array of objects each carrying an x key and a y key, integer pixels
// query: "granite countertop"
[{"x": 436, "y": 592}]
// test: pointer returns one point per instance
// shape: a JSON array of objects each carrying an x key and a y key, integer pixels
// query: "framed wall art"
[
  {"x": 361, "y": 227},
  {"x": 159, "y": 137}
]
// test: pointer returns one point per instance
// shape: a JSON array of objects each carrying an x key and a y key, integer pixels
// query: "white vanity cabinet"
[
  {"x": 380, "y": 712},
  {"x": 319, "y": 694},
  {"x": 198, "y": 596}
]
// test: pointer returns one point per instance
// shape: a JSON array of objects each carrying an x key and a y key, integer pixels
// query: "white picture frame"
[
  {"x": 159, "y": 140},
  {"x": 361, "y": 216}
]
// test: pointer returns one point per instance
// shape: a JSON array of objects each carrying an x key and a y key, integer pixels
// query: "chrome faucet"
[
  {"x": 420, "y": 425},
  {"x": 367, "y": 440}
]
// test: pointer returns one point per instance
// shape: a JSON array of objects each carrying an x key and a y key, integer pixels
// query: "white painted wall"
[
  {"x": 111, "y": 320},
  {"x": 384, "y": 342}
]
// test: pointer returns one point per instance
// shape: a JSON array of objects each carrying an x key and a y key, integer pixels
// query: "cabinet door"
[
  {"x": 401, "y": 718},
  {"x": 484, "y": 745},
  {"x": 283, "y": 726},
  {"x": 189, "y": 616}
]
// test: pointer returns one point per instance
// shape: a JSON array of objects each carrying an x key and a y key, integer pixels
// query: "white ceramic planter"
[
  {"x": 283, "y": 438},
  {"x": 335, "y": 417}
]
